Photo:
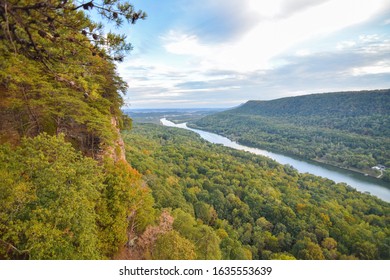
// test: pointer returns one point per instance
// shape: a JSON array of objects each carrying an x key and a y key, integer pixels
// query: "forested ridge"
[
  {"x": 231, "y": 204},
  {"x": 346, "y": 129}
]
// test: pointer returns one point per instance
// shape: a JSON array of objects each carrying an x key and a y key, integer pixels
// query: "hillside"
[
  {"x": 231, "y": 204},
  {"x": 347, "y": 129},
  {"x": 336, "y": 104},
  {"x": 66, "y": 190}
]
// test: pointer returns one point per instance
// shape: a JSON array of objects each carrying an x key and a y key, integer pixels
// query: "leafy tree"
[
  {"x": 39, "y": 29},
  {"x": 172, "y": 246},
  {"x": 58, "y": 78},
  {"x": 49, "y": 194},
  {"x": 207, "y": 244},
  {"x": 282, "y": 256},
  {"x": 366, "y": 250},
  {"x": 147, "y": 240},
  {"x": 126, "y": 207},
  {"x": 307, "y": 250}
]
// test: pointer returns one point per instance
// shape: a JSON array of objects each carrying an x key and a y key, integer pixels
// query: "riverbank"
[
  {"x": 369, "y": 172},
  {"x": 366, "y": 172},
  {"x": 356, "y": 180}
]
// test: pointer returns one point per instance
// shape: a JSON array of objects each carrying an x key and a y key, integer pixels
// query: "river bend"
[{"x": 355, "y": 180}]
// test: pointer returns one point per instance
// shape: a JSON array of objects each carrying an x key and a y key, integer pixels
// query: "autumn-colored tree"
[{"x": 147, "y": 240}]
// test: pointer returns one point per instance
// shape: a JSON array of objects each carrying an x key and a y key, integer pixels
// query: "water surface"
[{"x": 356, "y": 180}]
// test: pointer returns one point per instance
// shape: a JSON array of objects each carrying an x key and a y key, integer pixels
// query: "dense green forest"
[
  {"x": 348, "y": 129},
  {"x": 231, "y": 204},
  {"x": 66, "y": 190}
]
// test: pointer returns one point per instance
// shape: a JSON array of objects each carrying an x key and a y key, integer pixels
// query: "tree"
[
  {"x": 207, "y": 244},
  {"x": 306, "y": 249},
  {"x": 38, "y": 28},
  {"x": 282, "y": 256},
  {"x": 57, "y": 72},
  {"x": 329, "y": 246},
  {"x": 366, "y": 250},
  {"x": 205, "y": 212},
  {"x": 172, "y": 246},
  {"x": 48, "y": 196},
  {"x": 125, "y": 209},
  {"x": 333, "y": 223},
  {"x": 147, "y": 240}
]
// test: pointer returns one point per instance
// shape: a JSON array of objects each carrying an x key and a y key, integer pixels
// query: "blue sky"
[{"x": 221, "y": 53}]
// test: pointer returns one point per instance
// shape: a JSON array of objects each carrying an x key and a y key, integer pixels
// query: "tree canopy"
[
  {"x": 66, "y": 190},
  {"x": 347, "y": 129},
  {"x": 235, "y": 205},
  {"x": 39, "y": 29}
]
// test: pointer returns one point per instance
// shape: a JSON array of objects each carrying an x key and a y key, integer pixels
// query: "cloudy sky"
[{"x": 221, "y": 53}]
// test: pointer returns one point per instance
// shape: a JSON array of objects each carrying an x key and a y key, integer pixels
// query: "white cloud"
[
  {"x": 269, "y": 38},
  {"x": 184, "y": 44},
  {"x": 345, "y": 45},
  {"x": 303, "y": 52},
  {"x": 265, "y": 9},
  {"x": 259, "y": 57},
  {"x": 381, "y": 67},
  {"x": 369, "y": 38}
]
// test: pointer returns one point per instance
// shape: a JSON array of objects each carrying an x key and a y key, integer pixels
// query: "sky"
[{"x": 222, "y": 53}]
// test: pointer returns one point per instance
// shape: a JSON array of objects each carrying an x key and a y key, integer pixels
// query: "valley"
[
  {"x": 249, "y": 206},
  {"x": 349, "y": 130}
]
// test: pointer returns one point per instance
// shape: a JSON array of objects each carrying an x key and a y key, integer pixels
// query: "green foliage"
[
  {"x": 57, "y": 204},
  {"x": 350, "y": 130},
  {"x": 48, "y": 196},
  {"x": 126, "y": 206},
  {"x": 35, "y": 101},
  {"x": 60, "y": 99},
  {"x": 60, "y": 103},
  {"x": 335, "y": 104},
  {"x": 41, "y": 29},
  {"x": 235, "y": 205},
  {"x": 204, "y": 237},
  {"x": 172, "y": 246},
  {"x": 60, "y": 85}
]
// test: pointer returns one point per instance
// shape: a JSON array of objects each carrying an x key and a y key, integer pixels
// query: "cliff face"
[
  {"x": 61, "y": 151},
  {"x": 34, "y": 101},
  {"x": 116, "y": 151}
]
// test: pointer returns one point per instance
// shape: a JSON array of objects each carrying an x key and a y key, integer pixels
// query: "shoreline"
[{"x": 368, "y": 173}]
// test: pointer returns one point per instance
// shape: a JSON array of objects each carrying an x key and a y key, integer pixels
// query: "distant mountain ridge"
[
  {"x": 345, "y": 129},
  {"x": 353, "y": 103}
]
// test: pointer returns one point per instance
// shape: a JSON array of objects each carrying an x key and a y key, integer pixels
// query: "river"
[{"x": 358, "y": 181}]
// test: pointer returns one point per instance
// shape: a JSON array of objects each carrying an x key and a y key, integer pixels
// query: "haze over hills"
[{"x": 346, "y": 129}]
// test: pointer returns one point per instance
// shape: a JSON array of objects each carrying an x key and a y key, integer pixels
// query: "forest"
[
  {"x": 231, "y": 204},
  {"x": 66, "y": 190},
  {"x": 348, "y": 129},
  {"x": 78, "y": 182}
]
